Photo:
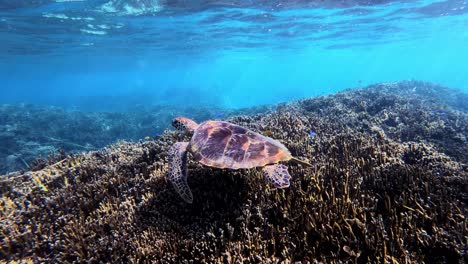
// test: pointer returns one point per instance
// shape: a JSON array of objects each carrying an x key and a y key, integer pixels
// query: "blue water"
[{"x": 113, "y": 54}]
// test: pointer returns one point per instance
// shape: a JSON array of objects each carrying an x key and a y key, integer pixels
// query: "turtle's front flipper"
[
  {"x": 278, "y": 175},
  {"x": 178, "y": 170}
]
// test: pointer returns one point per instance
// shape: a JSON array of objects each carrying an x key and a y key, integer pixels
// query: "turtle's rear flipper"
[
  {"x": 178, "y": 170},
  {"x": 278, "y": 175}
]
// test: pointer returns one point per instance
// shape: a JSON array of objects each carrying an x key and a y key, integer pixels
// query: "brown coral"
[{"x": 368, "y": 198}]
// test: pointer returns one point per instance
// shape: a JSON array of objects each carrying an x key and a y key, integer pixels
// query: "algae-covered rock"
[{"x": 371, "y": 196}]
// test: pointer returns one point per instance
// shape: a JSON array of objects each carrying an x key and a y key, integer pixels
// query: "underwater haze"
[
  {"x": 233, "y": 131},
  {"x": 110, "y": 55}
]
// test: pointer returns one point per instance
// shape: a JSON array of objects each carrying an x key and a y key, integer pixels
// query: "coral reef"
[
  {"x": 27, "y": 131},
  {"x": 373, "y": 195},
  {"x": 404, "y": 111}
]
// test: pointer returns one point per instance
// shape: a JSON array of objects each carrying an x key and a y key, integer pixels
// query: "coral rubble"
[{"x": 378, "y": 192}]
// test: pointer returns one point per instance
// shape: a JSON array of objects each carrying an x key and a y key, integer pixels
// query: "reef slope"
[
  {"x": 389, "y": 183},
  {"x": 29, "y": 131}
]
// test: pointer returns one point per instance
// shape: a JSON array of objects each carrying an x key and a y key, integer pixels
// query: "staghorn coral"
[
  {"x": 404, "y": 111},
  {"x": 368, "y": 198}
]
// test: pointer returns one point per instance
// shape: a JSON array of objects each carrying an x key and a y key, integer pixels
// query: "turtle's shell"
[{"x": 225, "y": 145}]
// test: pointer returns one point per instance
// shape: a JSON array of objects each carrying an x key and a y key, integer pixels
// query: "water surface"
[{"x": 108, "y": 55}]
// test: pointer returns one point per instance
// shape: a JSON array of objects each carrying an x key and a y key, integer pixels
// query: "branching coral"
[
  {"x": 27, "y": 132},
  {"x": 367, "y": 198}
]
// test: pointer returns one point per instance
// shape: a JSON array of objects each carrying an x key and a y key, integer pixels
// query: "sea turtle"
[{"x": 221, "y": 144}]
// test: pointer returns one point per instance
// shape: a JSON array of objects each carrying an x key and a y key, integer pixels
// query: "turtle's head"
[{"x": 183, "y": 123}]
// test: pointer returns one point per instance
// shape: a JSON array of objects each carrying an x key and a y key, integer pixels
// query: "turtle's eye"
[
  {"x": 184, "y": 124},
  {"x": 176, "y": 123}
]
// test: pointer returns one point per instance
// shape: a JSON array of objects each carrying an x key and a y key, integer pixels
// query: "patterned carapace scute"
[{"x": 226, "y": 145}]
